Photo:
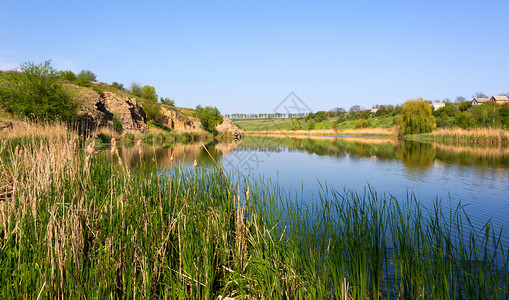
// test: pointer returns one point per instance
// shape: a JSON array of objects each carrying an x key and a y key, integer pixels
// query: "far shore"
[{"x": 380, "y": 132}]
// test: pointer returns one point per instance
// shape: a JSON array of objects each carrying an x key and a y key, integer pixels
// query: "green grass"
[
  {"x": 284, "y": 124},
  {"x": 199, "y": 234}
]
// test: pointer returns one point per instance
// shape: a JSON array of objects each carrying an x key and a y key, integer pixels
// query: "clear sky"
[{"x": 247, "y": 56}]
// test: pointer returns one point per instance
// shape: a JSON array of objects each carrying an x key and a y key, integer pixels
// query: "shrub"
[
  {"x": 129, "y": 136},
  {"x": 104, "y": 137},
  {"x": 149, "y": 93},
  {"x": 82, "y": 80},
  {"x": 294, "y": 124},
  {"x": 209, "y": 117},
  {"x": 147, "y": 136},
  {"x": 167, "y": 101},
  {"x": 361, "y": 123},
  {"x": 67, "y": 75},
  {"x": 117, "y": 124},
  {"x": 36, "y": 92},
  {"x": 153, "y": 111},
  {"x": 117, "y": 85}
]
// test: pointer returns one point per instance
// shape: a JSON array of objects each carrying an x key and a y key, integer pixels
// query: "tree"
[
  {"x": 354, "y": 109},
  {"x": 294, "y": 124},
  {"x": 167, "y": 101},
  {"x": 88, "y": 74},
  {"x": 84, "y": 78},
  {"x": 480, "y": 95},
  {"x": 460, "y": 99},
  {"x": 416, "y": 117},
  {"x": 149, "y": 93},
  {"x": 36, "y": 92},
  {"x": 67, "y": 75},
  {"x": 117, "y": 85},
  {"x": 209, "y": 117},
  {"x": 135, "y": 89},
  {"x": 361, "y": 123}
]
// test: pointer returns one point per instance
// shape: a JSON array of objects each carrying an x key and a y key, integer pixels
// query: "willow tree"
[{"x": 416, "y": 117}]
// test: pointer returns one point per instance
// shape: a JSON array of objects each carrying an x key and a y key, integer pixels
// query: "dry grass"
[
  {"x": 386, "y": 132},
  {"x": 475, "y": 135}
]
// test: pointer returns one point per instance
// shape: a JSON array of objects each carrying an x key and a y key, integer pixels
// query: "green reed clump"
[{"x": 96, "y": 229}]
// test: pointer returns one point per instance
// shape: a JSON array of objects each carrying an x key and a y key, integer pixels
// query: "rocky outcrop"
[
  {"x": 98, "y": 111},
  {"x": 126, "y": 109},
  {"x": 177, "y": 121},
  {"x": 227, "y": 126}
]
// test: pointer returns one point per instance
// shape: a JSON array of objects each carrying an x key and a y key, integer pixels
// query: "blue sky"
[{"x": 247, "y": 56}]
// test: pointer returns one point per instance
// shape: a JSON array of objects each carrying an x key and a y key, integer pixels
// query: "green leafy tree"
[
  {"x": 416, "y": 117},
  {"x": 311, "y": 124},
  {"x": 153, "y": 111},
  {"x": 88, "y": 74},
  {"x": 335, "y": 126},
  {"x": 84, "y": 78},
  {"x": 209, "y": 117},
  {"x": 149, "y": 93},
  {"x": 37, "y": 92},
  {"x": 67, "y": 75},
  {"x": 361, "y": 123},
  {"x": 167, "y": 101},
  {"x": 294, "y": 124},
  {"x": 117, "y": 85},
  {"x": 135, "y": 89}
]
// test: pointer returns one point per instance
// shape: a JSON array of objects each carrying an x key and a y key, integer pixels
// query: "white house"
[
  {"x": 479, "y": 101},
  {"x": 437, "y": 104}
]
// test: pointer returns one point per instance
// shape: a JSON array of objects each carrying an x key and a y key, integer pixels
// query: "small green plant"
[
  {"x": 361, "y": 123},
  {"x": 129, "y": 136},
  {"x": 117, "y": 124},
  {"x": 104, "y": 138},
  {"x": 147, "y": 136}
]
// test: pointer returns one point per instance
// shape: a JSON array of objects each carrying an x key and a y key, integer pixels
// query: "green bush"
[
  {"x": 149, "y": 93},
  {"x": 153, "y": 111},
  {"x": 129, "y": 136},
  {"x": 209, "y": 117},
  {"x": 67, "y": 75},
  {"x": 147, "y": 136},
  {"x": 36, "y": 92},
  {"x": 361, "y": 123},
  {"x": 104, "y": 138},
  {"x": 117, "y": 124}
]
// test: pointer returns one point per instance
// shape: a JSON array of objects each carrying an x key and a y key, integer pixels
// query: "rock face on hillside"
[
  {"x": 177, "y": 121},
  {"x": 227, "y": 126},
  {"x": 96, "y": 111},
  {"x": 99, "y": 110}
]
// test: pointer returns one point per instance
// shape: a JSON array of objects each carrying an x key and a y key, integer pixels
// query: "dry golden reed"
[{"x": 475, "y": 135}]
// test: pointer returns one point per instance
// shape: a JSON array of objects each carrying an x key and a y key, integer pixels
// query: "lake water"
[{"x": 477, "y": 176}]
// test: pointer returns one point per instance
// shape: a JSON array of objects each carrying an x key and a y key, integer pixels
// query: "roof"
[
  {"x": 482, "y": 100},
  {"x": 500, "y": 98}
]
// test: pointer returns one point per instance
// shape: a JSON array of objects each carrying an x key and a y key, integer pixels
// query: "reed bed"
[
  {"x": 476, "y": 135},
  {"x": 79, "y": 225}
]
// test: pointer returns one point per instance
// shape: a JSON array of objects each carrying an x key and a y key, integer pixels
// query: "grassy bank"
[
  {"x": 327, "y": 124},
  {"x": 476, "y": 135},
  {"x": 74, "y": 224},
  {"x": 385, "y": 132}
]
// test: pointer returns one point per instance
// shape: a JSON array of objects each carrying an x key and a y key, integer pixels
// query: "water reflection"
[
  {"x": 416, "y": 156},
  {"x": 166, "y": 155}
]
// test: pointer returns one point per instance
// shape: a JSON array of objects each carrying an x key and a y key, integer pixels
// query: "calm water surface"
[{"x": 476, "y": 176}]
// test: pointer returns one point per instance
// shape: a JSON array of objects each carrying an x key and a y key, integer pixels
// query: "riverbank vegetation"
[
  {"x": 75, "y": 223},
  {"x": 41, "y": 93}
]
